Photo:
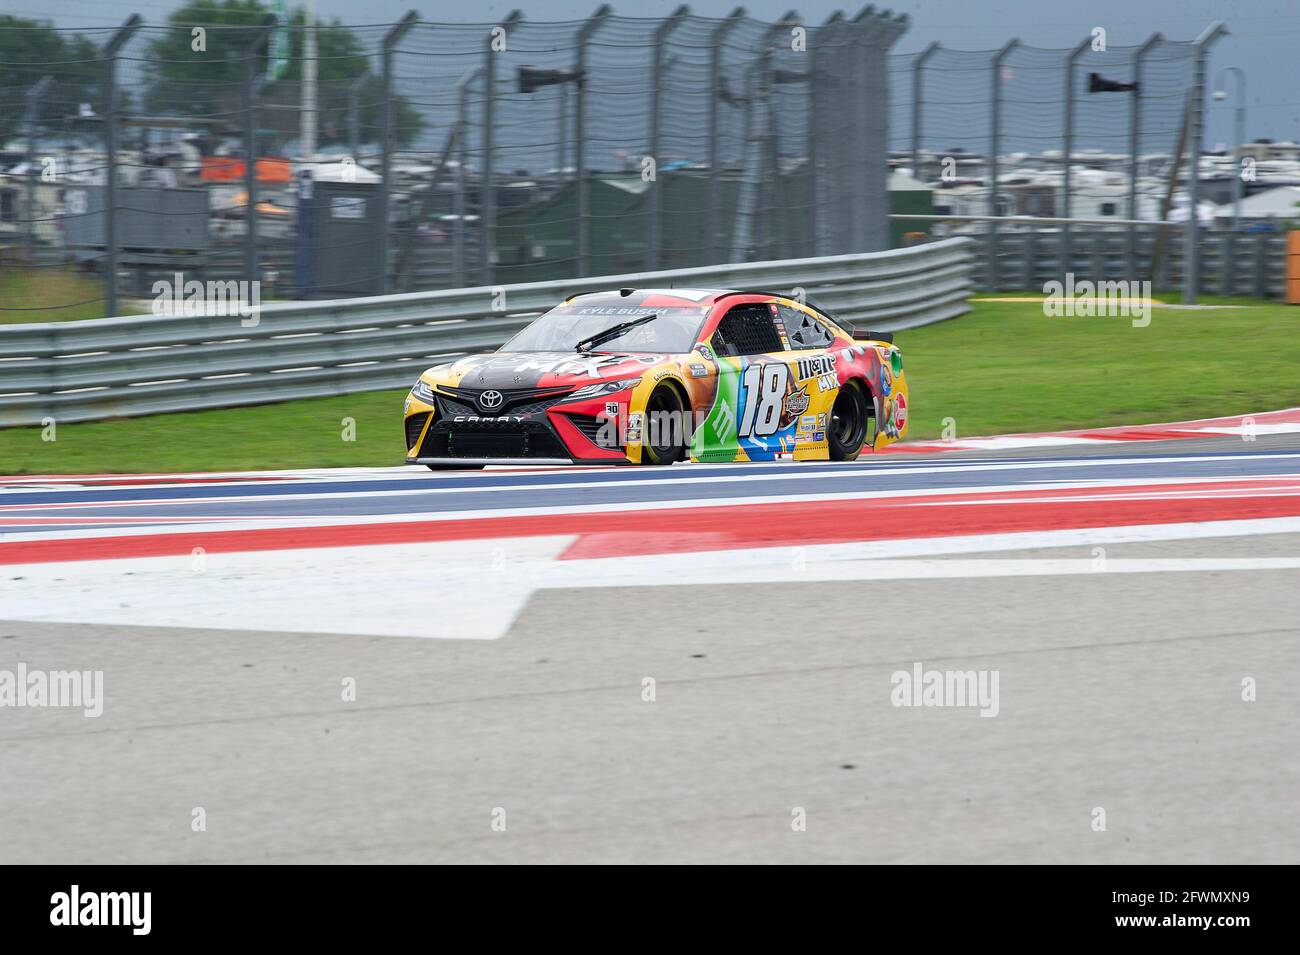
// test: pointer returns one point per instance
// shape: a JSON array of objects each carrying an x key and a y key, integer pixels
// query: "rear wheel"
[
  {"x": 848, "y": 424},
  {"x": 663, "y": 433}
]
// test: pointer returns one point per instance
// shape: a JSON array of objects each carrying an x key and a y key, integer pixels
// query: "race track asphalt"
[{"x": 1118, "y": 691}]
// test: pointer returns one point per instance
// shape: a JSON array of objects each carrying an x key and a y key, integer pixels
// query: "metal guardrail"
[{"x": 119, "y": 367}]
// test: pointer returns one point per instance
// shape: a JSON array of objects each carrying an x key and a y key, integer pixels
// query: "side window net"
[{"x": 747, "y": 330}]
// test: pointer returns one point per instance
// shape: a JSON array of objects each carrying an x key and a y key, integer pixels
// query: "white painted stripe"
[{"x": 484, "y": 585}]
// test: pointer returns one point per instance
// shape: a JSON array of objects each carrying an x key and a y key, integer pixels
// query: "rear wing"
[{"x": 865, "y": 335}]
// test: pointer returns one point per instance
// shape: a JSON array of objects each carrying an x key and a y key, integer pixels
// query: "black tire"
[
  {"x": 454, "y": 467},
  {"x": 670, "y": 439},
  {"x": 847, "y": 430}
]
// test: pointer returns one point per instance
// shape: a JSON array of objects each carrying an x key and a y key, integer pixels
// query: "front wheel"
[
  {"x": 664, "y": 430},
  {"x": 848, "y": 424}
]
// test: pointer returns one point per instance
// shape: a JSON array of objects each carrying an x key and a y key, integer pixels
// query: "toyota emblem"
[{"x": 490, "y": 400}]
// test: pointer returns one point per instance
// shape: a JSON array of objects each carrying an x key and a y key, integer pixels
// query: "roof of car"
[
  {"x": 685, "y": 297},
  {"x": 694, "y": 296}
]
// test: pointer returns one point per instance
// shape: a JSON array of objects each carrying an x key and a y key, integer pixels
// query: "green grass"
[
  {"x": 1005, "y": 367},
  {"x": 296, "y": 434},
  {"x": 61, "y": 294}
]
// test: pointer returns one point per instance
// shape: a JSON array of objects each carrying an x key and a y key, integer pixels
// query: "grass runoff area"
[
  {"x": 1004, "y": 367},
  {"x": 48, "y": 294}
]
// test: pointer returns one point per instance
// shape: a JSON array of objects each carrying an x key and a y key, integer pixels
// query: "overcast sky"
[{"x": 1264, "y": 41}]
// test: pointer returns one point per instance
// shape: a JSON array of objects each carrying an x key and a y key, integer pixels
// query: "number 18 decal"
[{"x": 764, "y": 393}]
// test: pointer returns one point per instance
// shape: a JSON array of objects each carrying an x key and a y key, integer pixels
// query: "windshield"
[{"x": 672, "y": 332}]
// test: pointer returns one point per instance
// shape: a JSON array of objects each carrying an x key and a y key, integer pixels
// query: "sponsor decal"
[
  {"x": 705, "y": 351},
  {"x": 821, "y": 421},
  {"x": 699, "y": 371},
  {"x": 476, "y": 417},
  {"x": 796, "y": 403},
  {"x": 611, "y": 408},
  {"x": 886, "y": 380},
  {"x": 519, "y": 366},
  {"x": 813, "y": 367},
  {"x": 779, "y": 322},
  {"x": 808, "y": 422},
  {"x": 900, "y": 411},
  {"x": 490, "y": 400},
  {"x": 635, "y": 310},
  {"x": 819, "y": 435},
  {"x": 634, "y": 427}
]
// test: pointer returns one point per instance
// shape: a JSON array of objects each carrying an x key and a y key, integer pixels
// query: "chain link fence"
[{"x": 454, "y": 155}]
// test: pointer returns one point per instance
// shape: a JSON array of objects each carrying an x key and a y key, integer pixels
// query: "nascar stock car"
[{"x": 652, "y": 376}]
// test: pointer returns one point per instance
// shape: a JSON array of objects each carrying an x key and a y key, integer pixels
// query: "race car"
[{"x": 653, "y": 376}]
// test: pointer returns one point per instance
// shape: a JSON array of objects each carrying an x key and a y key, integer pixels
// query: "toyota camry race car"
[{"x": 651, "y": 376}]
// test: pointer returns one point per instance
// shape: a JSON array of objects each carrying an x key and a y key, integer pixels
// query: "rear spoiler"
[{"x": 864, "y": 335}]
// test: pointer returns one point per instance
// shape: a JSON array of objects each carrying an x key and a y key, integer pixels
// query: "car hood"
[{"x": 509, "y": 371}]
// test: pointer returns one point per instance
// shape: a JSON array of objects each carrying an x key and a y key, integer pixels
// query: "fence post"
[
  {"x": 30, "y": 119},
  {"x": 816, "y": 119},
  {"x": 1192, "y": 231},
  {"x": 995, "y": 147},
  {"x": 777, "y": 212},
  {"x": 917, "y": 71},
  {"x": 1238, "y": 134},
  {"x": 1134, "y": 147},
  {"x": 865, "y": 26},
  {"x": 111, "y": 49},
  {"x": 583, "y": 225},
  {"x": 562, "y": 137},
  {"x": 488, "y": 201},
  {"x": 462, "y": 156},
  {"x": 654, "y": 199},
  {"x": 716, "y": 41},
  {"x": 1067, "y": 264},
  {"x": 261, "y": 34},
  {"x": 354, "y": 114},
  {"x": 1261, "y": 265},
  {"x": 876, "y": 179},
  {"x": 391, "y": 39},
  {"x": 1228, "y": 257},
  {"x": 1029, "y": 249}
]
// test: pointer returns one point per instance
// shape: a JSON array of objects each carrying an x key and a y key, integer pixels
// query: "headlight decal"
[{"x": 604, "y": 388}]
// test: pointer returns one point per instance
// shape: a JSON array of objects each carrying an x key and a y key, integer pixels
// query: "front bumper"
[
  {"x": 549, "y": 433},
  {"x": 479, "y": 462}
]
